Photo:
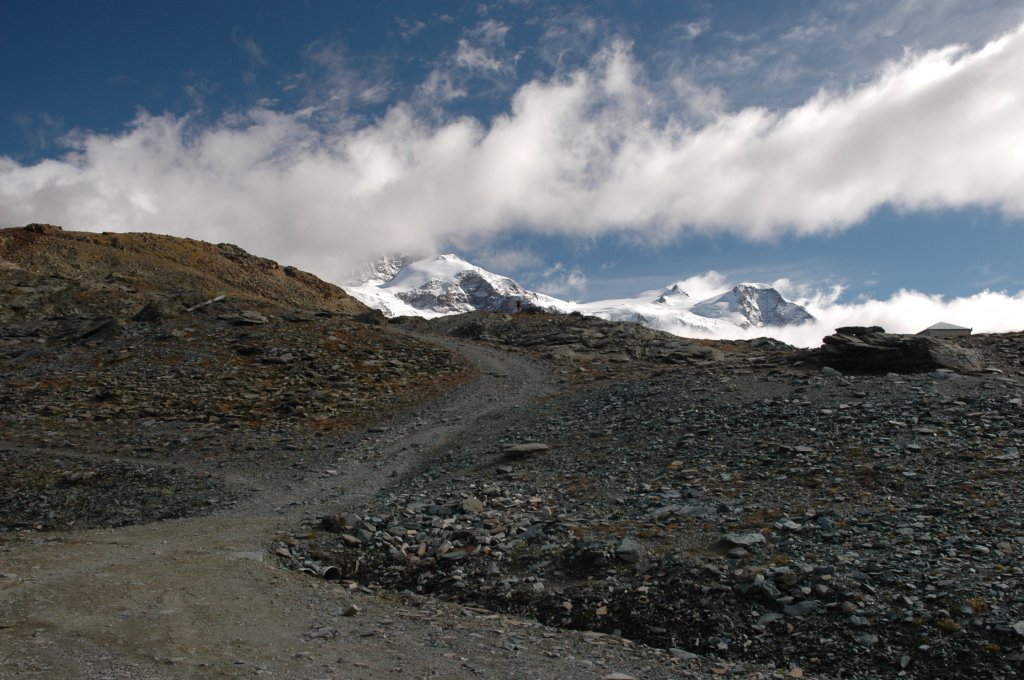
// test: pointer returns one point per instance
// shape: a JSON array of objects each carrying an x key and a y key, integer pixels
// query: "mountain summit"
[
  {"x": 447, "y": 284},
  {"x": 753, "y": 304}
]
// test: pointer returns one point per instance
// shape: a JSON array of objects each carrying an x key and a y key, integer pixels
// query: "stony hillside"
[{"x": 52, "y": 272}]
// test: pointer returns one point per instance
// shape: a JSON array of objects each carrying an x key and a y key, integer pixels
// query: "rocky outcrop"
[
  {"x": 575, "y": 335},
  {"x": 869, "y": 349}
]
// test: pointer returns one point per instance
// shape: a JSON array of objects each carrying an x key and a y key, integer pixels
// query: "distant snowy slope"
[
  {"x": 447, "y": 284},
  {"x": 379, "y": 271}
]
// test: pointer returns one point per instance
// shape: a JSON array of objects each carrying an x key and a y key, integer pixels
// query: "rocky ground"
[
  {"x": 748, "y": 506},
  {"x": 278, "y": 483}
]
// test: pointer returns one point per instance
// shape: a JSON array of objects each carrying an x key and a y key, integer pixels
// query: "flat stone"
[
  {"x": 745, "y": 539},
  {"x": 799, "y": 609},
  {"x": 527, "y": 447},
  {"x": 683, "y": 654}
]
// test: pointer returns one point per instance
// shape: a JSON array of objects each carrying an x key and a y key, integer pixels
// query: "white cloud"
[
  {"x": 692, "y": 29},
  {"x": 478, "y": 50},
  {"x": 409, "y": 28},
  {"x": 507, "y": 260},
  {"x": 254, "y": 53},
  {"x": 907, "y": 311},
  {"x": 594, "y": 151},
  {"x": 559, "y": 281},
  {"x": 703, "y": 286}
]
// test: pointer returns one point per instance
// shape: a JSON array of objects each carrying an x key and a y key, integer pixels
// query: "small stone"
[
  {"x": 867, "y": 639},
  {"x": 800, "y": 609},
  {"x": 250, "y": 317},
  {"x": 682, "y": 654},
  {"x": 525, "y": 449},
  {"x": 746, "y": 539},
  {"x": 629, "y": 551}
]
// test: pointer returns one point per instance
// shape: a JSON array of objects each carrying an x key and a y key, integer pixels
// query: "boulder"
[
  {"x": 154, "y": 312},
  {"x": 37, "y": 228},
  {"x": 860, "y": 349}
]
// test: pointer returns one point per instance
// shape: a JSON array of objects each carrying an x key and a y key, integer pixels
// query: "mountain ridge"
[{"x": 448, "y": 284}]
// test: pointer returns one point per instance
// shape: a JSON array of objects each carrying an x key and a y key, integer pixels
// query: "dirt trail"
[{"x": 199, "y": 597}]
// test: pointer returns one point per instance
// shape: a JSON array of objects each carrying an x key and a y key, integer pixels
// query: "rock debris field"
[
  {"x": 750, "y": 509},
  {"x": 278, "y": 483}
]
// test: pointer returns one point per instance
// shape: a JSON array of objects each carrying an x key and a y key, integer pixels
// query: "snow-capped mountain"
[
  {"x": 748, "y": 305},
  {"x": 447, "y": 284},
  {"x": 752, "y": 304},
  {"x": 379, "y": 271}
]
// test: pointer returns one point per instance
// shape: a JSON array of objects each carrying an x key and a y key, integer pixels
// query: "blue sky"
[{"x": 591, "y": 150}]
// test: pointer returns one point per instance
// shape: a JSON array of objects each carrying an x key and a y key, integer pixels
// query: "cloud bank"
[
  {"x": 907, "y": 311},
  {"x": 600, "y": 149}
]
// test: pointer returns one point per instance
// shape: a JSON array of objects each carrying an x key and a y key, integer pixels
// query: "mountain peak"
[
  {"x": 447, "y": 284},
  {"x": 753, "y": 304},
  {"x": 674, "y": 294}
]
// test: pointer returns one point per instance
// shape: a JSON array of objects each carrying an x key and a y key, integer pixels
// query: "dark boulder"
[
  {"x": 154, "y": 312},
  {"x": 37, "y": 228},
  {"x": 858, "y": 349}
]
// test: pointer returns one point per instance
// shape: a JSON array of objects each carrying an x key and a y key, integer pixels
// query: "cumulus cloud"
[
  {"x": 596, "y": 150},
  {"x": 478, "y": 49},
  {"x": 561, "y": 281}
]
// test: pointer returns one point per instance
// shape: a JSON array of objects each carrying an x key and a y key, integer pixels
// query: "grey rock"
[
  {"x": 683, "y": 654},
  {"x": 746, "y": 539},
  {"x": 525, "y": 449},
  {"x": 800, "y": 609},
  {"x": 629, "y": 551}
]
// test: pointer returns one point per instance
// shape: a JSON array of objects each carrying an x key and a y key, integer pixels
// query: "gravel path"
[{"x": 198, "y": 597}]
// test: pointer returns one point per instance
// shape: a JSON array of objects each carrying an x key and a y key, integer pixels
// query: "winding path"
[{"x": 197, "y": 597}]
